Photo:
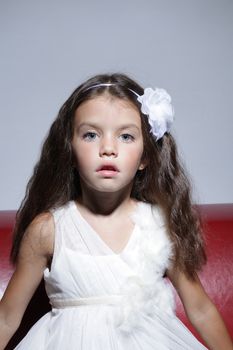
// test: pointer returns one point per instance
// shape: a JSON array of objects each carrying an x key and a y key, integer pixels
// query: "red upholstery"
[{"x": 217, "y": 276}]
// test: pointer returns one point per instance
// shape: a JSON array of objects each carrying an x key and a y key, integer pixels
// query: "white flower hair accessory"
[{"x": 156, "y": 104}]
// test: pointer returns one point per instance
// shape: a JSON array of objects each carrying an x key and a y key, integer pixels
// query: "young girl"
[{"x": 106, "y": 218}]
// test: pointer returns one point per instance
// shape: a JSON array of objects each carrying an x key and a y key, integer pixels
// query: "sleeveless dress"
[{"x": 102, "y": 300}]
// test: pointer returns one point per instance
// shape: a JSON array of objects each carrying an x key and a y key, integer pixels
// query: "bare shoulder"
[
  {"x": 42, "y": 223},
  {"x": 34, "y": 256},
  {"x": 39, "y": 236}
]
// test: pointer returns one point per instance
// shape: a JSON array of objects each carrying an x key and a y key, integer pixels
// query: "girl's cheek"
[{"x": 134, "y": 156}]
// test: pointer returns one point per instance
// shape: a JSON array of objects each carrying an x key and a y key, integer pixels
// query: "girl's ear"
[{"x": 142, "y": 165}]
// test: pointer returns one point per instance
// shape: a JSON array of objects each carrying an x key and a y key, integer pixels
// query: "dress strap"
[{"x": 105, "y": 299}]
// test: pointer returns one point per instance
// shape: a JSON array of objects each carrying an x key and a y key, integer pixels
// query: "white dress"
[{"x": 107, "y": 301}]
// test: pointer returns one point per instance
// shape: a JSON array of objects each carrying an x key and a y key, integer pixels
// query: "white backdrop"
[{"x": 50, "y": 47}]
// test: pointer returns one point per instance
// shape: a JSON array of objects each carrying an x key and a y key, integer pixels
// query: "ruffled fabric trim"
[{"x": 147, "y": 291}]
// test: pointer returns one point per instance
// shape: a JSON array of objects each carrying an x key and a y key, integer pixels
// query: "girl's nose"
[{"x": 108, "y": 147}]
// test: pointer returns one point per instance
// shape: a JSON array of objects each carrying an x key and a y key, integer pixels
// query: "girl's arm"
[
  {"x": 201, "y": 312},
  {"x": 35, "y": 251}
]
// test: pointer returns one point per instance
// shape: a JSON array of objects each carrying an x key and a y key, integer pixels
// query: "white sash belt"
[{"x": 106, "y": 299}]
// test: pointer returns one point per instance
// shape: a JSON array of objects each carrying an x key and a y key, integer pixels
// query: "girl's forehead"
[{"x": 107, "y": 108}]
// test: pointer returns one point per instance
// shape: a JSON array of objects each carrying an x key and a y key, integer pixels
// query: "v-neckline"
[{"x": 100, "y": 239}]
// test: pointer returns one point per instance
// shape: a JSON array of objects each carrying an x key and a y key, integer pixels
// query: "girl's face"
[{"x": 107, "y": 143}]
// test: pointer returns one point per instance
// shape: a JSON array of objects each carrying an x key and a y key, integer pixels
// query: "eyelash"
[
  {"x": 88, "y": 136},
  {"x": 131, "y": 137}
]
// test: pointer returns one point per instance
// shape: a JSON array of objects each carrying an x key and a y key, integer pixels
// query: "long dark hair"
[{"x": 55, "y": 180}]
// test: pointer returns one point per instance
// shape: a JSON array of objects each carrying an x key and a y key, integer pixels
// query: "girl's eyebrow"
[
  {"x": 93, "y": 125},
  {"x": 128, "y": 126}
]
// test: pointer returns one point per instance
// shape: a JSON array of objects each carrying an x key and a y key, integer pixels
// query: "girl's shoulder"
[
  {"x": 42, "y": 224},
  {"x": 39, "y": 234}
]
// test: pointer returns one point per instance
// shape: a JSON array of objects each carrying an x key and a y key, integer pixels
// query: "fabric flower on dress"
[
  {"x": 146, "y": 291},
  {"x": 156, "y": 104}
]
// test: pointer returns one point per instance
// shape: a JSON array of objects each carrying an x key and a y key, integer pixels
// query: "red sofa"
[{"x": 217, "y": 275}]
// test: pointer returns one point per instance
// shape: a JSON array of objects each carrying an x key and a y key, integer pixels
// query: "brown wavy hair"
[{"x": 55, "y": 180}]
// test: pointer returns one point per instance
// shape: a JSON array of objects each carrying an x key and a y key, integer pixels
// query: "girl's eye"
[
  {"x": 127, "y": 137},
  {"x": 89, "y": 136}
]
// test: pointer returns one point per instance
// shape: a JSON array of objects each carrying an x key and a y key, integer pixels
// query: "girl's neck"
[{"x": 106, "y": 203}]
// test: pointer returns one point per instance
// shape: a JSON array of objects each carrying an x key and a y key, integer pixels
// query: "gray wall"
[{"x": 185, "y": 46}]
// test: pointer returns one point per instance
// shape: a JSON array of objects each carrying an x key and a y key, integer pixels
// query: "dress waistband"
[{"x": 105, "y": 299}]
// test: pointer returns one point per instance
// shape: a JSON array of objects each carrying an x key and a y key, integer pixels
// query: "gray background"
[{"x": 50, "y": 47}]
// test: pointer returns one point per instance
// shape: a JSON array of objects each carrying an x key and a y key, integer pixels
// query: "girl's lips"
[
  {"x": 107, "y": 173},
  {"x": 107, "y": 170},
  {"x": 108, "y": 167}
]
